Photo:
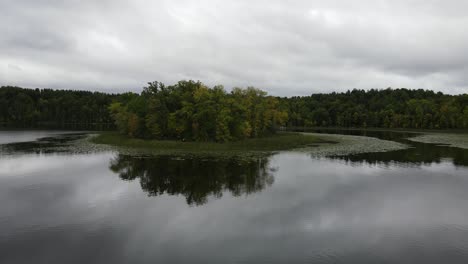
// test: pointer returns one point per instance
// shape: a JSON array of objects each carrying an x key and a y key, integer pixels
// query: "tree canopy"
[
  {"x": 66, "y": 109},
  {"x": 388, "y": 108},
  {"x": 190, "y": 110}
]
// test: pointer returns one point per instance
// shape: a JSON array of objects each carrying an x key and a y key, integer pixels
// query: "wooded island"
[{"x": 193, "y": 111}]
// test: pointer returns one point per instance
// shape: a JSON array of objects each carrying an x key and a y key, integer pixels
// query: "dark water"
[{"x": 58, "y": 205}]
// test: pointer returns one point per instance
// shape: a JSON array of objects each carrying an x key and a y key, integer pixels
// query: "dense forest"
[
  {"x": 46, "y": 108},
  {"x": 389, "y": 108},
  {"x": 190, "y": 110}
]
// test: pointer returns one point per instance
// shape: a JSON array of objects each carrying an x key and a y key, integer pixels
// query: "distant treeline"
[
  {"x": 389, "y": 108},
  {"x": 61, "y": 109},
  {"x": 190, "y": 110}
]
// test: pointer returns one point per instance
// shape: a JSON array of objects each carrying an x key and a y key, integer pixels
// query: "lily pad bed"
[
  {"x": 327, "y": 145},
  {"x": 349, "y": 145},
  {"x": 68, "y": 143},
  {"x": 452, "y": 140},
  {"x": 323, "y": 145}
]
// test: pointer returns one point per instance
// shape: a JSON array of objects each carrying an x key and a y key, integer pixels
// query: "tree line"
[
  {"x": 388, "y": 108},
  {"x": 47, "y": 108},
  {"x": 190, "y": 110}
]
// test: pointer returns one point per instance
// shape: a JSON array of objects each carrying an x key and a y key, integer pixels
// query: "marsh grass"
[{"x": 277, "y": 142}]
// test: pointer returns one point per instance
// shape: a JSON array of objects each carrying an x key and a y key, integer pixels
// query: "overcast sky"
[{"x": 284, "y": 47}]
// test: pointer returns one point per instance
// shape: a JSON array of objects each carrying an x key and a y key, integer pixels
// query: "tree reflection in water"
[
  {"x": 417, "y": 155},
  {"x": 196, "y": 178}
]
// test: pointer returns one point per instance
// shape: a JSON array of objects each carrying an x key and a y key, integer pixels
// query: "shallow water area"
[{"x": 65, "y": 201}]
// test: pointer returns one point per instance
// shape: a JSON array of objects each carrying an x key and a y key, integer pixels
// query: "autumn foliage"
[{"x": 192, "y": 111}]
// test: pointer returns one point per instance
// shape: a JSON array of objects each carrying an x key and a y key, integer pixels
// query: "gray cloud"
[{"x": 286, "y": 48}]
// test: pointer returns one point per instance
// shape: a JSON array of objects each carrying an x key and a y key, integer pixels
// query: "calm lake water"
[{"x": 59, "y": 205}]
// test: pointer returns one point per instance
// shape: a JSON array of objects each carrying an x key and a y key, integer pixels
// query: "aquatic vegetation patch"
[
  {"x": 69, "y": 143},
  {"x": 348, "y": 145},
  {"x": 314, "y": 143},
  {"x": 452, "y": 140},
  {"x": 243, "y": 148}
]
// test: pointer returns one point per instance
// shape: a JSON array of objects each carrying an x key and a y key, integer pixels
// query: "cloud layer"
[{"x": 287, "y": 48}]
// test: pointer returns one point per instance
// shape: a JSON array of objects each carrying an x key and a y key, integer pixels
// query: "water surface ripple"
[{"x": 65, "y": 206}]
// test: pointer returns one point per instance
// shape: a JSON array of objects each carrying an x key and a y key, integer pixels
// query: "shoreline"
[
  {"x": 313, "y": 143},
  {"x": 278, "y": 142}
]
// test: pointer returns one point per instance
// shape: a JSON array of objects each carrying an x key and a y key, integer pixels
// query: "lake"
[{"x": 65, "y": 204}]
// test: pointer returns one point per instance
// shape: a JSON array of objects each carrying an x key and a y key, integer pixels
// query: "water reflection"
[
  {"x": 195, "y": 178},
  {"x": 419, "y": 154},
  {"x": 90, "y": 208},
  {"x": 48, "y": 143}
]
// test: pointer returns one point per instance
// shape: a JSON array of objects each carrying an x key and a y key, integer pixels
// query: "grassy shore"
[{"x": 277, "y": 142}]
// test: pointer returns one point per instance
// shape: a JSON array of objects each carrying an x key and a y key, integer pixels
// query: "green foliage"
[
  {"x": 191, "y": 111},
  {"x": 35, "y": 108},
  {"x": 120, "y": 116},
  {"x": 389, "y": 108}
]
